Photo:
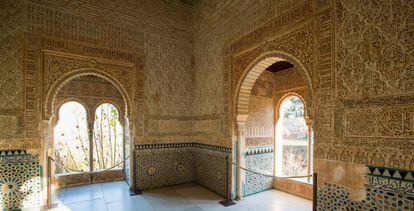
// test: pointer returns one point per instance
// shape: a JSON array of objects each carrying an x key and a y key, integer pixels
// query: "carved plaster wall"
[
  {"x": 359, "y": 61},
  {"x": 47, "y": 43},
  {"x": 104, "y": 28},
  {"x": 90, "y": 91},
  {"x": 373, "y": 95},
  {"x": 260, "y": 124},
  {"x": 357, "y": 57}
]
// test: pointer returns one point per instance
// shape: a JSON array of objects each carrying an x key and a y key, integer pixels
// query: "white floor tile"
[
  {"x": 115, "y": 191},
  {"x": 188, "y": 197},
  {"x": 94, "y": 205},
  {"x": 83, "y": 193},
  {"x": 130, "y": 204},
  {"x": 58, "y": 195}
]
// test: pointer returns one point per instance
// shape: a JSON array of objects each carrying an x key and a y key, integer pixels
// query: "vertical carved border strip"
[
  {"x": 139, "y": 94},
  {"x": 227, "y": 89},
  {"x": 32, "y": 101},
  {"x": 325, "y": 80}
]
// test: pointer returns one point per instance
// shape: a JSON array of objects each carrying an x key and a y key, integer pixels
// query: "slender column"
[
  {"x": 90, "y": 136},
  {"x": 240, "y": 130},
  {"x": 46, "y": 136},
  {"x": 309, "y": 156},
  {"x": 48, "y": 150},
  {"x": 129, "y": 148}
]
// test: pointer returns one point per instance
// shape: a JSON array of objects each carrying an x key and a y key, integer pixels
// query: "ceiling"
[{"x": 279, "y": 66}]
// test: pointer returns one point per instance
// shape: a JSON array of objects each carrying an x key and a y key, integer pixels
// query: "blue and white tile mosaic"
[
  {"x": 160, "y": 165},
  {"x": 260, "y": 160},
  {"x": 387, "y": 189},
  {"x": 19, "y": 180},
  {"x": 212, "y": 170}
]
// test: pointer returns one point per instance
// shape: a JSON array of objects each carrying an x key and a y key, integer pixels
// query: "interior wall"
[
  {"x": 164, "y": 41},
  {"x": 289, "y": 81},
  {"x": 259, "y": 136},
  {"x": 157, "y": 31},
  {"x": 92, "y": 91},
  {"x": 362, "y": 76},
  {"x": 260, "y": 124},
  {"x": 362, "y": 72},
  {"x": 160, "y": 165},
  {"x": 215, "y": 24}
]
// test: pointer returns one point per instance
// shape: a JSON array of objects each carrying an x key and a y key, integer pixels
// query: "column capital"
[
  {"x": 241, "y": 118},
  {"x": 309, "y": 122}
]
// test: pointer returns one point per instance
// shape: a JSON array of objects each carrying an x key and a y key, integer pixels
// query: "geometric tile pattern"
[
  {"x": 258, "y": 150},
  {"x": 212, "y": 170},
  {"x": 387, "y": 189},
  {"x": 163, "y": 167},
  {"x": 160, "y": 165},
  {"x": 19, "y": 181},
  {"x": 391, "y": 173},
  {"x": 258, "y": 160}
]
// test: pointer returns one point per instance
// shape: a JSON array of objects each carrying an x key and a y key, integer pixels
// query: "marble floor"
[{"x": 114, "y": 196}]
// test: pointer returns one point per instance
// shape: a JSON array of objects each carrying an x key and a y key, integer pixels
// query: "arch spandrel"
[
  {"x": 253, "y": 71},
  {"x": 52, "y": 92}
]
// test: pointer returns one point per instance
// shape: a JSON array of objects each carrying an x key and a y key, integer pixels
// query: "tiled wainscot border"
[
  {"x": 387, "y": 189},
  {"x": 258, "y": 159},
  {"x": 19, "y": 180}
]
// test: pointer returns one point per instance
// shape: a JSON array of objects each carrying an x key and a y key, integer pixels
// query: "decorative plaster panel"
[
  {"x": 11, "y": 48},
  {"x": 374, "y": 43},
  {"x": 384, "y": 122},
  {"x": 297, "y": 43},
  {"x": 11, "y": 123}
]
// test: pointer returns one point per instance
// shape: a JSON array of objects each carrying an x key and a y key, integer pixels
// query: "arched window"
[
  {"x": 107, "y": 138},
  {"x": 71, "y": 139},
  {"x": 292, "y": 139}
]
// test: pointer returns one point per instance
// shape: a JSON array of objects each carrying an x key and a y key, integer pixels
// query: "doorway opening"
[{"x": 274, "y": 127}]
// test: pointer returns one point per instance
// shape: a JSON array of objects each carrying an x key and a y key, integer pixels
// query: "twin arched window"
[{"x": 77, "y": 149}]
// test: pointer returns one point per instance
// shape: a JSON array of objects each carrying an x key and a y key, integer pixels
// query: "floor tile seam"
[
  {"x": 185, "y": 197},
  {"x": 152, "y": 206},
  {"x": 121, "y": 200},
  {"x": 103, "y": 195},
  {"x": 77, "y": 202},
  {"x": 285, "y": 203}
]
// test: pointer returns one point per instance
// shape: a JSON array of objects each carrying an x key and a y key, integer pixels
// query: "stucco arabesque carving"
[{"x": 64, "y": 61}]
